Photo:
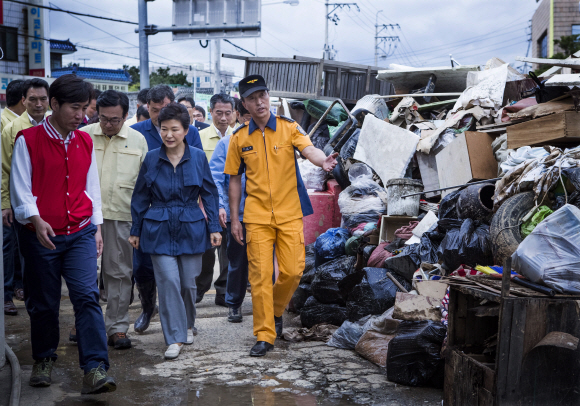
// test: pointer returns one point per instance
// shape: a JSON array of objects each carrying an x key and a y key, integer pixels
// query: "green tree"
[
  {"x": 570, "y": 44},
  {"x": 134, "y": 72},
  {"x": 162, "y": 76}
]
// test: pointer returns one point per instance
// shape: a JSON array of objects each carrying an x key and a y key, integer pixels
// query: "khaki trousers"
[
  {"x": 267, "y": 300},
  {"x": 117, "y": 269}
]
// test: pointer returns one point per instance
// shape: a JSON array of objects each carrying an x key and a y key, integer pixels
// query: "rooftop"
[
  {"x": 62, "y": 46},
  {"x": 116, "y": 75}
]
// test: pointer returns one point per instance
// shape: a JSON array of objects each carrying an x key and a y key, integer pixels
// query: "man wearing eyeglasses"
[{"x": 120, "y": 151}]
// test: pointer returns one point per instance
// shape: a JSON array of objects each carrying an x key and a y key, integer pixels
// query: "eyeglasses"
[{"x": 112, "y": 121}]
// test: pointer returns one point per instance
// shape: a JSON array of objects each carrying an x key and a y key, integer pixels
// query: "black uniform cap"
[{"x": 251, "y": 84}]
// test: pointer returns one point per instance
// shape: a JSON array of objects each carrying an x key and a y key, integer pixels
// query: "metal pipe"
[
  {"x": 354, "y": 120},
  {"x": 143, "y": 46},
  {"x": 397, "y": 284},
  {"x": 16, "y": 381},
  {"x": 153, "y": 29},
  {"x": 452, "y": 187}
]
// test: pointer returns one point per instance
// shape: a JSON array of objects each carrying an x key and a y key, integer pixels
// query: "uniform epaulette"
[
  {"x": 287, "y": 118},
  {"x": 239, "y": 128}
]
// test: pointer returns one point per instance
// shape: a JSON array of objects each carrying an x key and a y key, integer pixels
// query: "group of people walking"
[{"x": 156, "y": 200}]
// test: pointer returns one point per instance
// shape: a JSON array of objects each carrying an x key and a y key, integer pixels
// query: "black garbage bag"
[
  {"x": 325, "y": 284},
  {"x": 409, "y": 259},
  {"x": 374, "y": 294},
  {"x": 348, "y": 334},
  {"x": 347, "y": 150},
  {"x": 322, "y": 135},
  {"x": 309, "y": 264},
  {"x": 448, "y": 206},
  {"x": 414, "y": 356},
  {"x": 330, "y": 245},
  {"x": 314, "y": 313},
  {"x": 468, "y": 244},
  {"x": 302, "y": 293}
]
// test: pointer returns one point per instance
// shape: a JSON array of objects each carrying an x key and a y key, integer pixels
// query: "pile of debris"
[{"x": 435, "y": 188}]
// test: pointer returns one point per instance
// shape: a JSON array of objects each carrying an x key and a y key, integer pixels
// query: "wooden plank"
[
  {"x": 506, "y": 277},
  {"x": 516, "y": 348},
  {"x": 368, "y": 81},
  {"x": 536, "y": 323},
  {"x": 460, "y": 319},
  {"x": 319, "y": 78},
  {"x": 451, "y": 326},
  {"x": 560, "y": 127},
  {"x": 563, "y": 63},
  {"x": 338, "y": 82},
  {"x": 503, "y": 349}
]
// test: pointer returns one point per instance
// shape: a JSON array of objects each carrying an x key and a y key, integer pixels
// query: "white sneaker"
[
  {"x": 189, "y": 337},
  {"x": 173, "y": 351}
]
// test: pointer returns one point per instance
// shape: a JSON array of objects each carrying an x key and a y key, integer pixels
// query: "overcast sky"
[{"x": 472, "y": 30}]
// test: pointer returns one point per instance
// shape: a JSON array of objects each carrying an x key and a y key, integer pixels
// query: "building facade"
[{"x": 552, "y": 20}]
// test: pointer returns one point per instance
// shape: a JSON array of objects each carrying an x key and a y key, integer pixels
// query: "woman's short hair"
[{"x": 175, "y": 111}]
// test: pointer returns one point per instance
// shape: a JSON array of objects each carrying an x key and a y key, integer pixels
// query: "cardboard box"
[
  {"x": 560, "y": 129},
  {"x": 390, "y": 224},
  {"x": 469, "y": 157}
]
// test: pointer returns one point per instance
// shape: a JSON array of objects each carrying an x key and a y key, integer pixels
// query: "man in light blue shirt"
[{"x": 237, "y": 254}]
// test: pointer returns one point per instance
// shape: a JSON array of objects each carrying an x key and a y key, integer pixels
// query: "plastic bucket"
[{"x": 399, "y": 206}]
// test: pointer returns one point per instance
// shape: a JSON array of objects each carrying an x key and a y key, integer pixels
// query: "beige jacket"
[
  {"x": 209, "y": 139},
  {"x": 119, "y": 160}
]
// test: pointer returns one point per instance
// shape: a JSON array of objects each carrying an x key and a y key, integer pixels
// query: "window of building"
[
  {"x": 575, "y": 29},
  {"x": 206, "y": 79},
  {"x": 9, "y": 43},
  {"x": 543, "y": 45}
]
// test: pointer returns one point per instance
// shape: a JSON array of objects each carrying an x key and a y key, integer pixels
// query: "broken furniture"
[{"x": 493, "y": 355}]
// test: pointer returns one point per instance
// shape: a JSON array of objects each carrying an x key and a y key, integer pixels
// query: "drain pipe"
[{"x": 16, "y": 383}]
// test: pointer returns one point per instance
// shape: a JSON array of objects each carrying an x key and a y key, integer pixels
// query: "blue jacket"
[
  {"x": 217, "y": 164},
  {"x": 154, "y": 139},
  {"x": 164, "y": 206}
]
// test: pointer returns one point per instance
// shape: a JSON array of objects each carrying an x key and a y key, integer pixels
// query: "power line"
[
  {"x": 238, "y": 47},
  {"x": 73, "y": 12}
]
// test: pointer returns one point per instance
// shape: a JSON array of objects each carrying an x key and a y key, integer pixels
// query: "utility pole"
[
  {"x": 216, "y": 70},
  {"x": 377, "y": 38},
  {"x": 194, "y": 80},
  {"x": 143, "y": 46},
  {"x": 327, "y": 52}
]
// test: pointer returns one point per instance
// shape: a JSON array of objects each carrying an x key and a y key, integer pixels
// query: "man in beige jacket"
[{"x": 120, "y": 151}]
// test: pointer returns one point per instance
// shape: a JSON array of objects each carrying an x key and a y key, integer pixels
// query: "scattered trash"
[
  {"x": 414, "y": 354},
  {"x": 549, "y": 255},
  {"x": 330, "y": 245},
  {"x": 314, "y": 313},
  {"x": 468, "y": 244},
  {"x": 328, "y": 276}
]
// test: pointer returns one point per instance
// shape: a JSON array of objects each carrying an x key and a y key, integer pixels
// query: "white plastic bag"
[
  {"x": 551, "y": 253},
  {"x": 313, "y": 177},
  {"x": 362, "y": 202}
]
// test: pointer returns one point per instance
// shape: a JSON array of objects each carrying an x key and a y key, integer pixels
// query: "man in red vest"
[{"x": 54, "y": 189}]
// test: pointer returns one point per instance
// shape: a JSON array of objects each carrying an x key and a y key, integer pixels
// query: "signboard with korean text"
[
  {"x": 38, "y": 54},
  {"x": 216, "y": 19}
]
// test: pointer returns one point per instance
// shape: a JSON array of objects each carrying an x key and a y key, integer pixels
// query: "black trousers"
[{"x": 207, "y": 264}]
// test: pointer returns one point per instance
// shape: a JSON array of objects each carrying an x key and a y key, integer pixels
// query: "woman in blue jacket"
[{"x": 169, "y": 224}]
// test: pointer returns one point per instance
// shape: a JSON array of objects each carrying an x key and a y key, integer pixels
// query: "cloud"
[{"x": 472, "y": 30}]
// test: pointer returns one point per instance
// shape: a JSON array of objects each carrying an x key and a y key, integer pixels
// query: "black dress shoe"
[
  {"x": 220, "y": 300},
  {"x": 279, "y": 326},
  {"x": 260, "y": 349}
]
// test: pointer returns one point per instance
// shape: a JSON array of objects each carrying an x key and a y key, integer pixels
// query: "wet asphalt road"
[{"x": 215, "y": 370}]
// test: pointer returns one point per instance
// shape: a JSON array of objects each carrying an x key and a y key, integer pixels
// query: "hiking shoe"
[
  {"x": 19, "y": 294},
  {"x": 41, "y": 371},
  {"x": 97, "y": 381},
  {"x": 9, "y": 308},
  {"x": 235, "y": 315},
  {"x": 120, "y": 341}
]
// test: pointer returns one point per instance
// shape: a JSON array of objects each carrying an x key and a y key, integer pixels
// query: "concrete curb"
[{"x": 16, "y": 383}]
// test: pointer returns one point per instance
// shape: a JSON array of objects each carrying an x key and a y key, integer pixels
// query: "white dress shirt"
[
  {"x": 33, "y": 121},
  {"x": 21, "y": 197}
]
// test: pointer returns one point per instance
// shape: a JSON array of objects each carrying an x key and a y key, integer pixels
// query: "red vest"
[{"x": 59, "y": 178}]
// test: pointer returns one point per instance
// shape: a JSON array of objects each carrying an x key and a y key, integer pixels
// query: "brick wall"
[
  {"x": 566, "y": 14},
  {"x": 15, "y": 16}
]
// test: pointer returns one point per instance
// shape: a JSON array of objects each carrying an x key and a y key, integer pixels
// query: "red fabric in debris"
[
  {"x": 377, "y": 258},
  {"x": 406, "y": 232},
  {"x": 522, "y": 104}
]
